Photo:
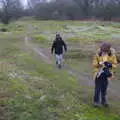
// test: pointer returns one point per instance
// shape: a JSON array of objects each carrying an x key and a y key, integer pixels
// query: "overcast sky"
[{"x": 24, "y": 2}]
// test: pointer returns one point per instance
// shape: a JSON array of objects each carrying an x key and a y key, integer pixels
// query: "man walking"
[{"x": 57, "y": 47}]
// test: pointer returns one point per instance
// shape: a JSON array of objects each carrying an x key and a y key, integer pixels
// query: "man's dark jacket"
[{"x": 58, "y": 46}]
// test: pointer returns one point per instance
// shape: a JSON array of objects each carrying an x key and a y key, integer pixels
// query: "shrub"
[{"x": 4, "y": 30}]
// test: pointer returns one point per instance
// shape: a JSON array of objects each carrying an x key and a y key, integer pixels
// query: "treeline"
[
  {"x": 60, "y": 9},
  {"x": 78, "y": 9}
]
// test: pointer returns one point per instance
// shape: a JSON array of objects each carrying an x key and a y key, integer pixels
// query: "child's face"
[
  {"x": 106, "y": 50},
  {"x": 105, "y": 47}
]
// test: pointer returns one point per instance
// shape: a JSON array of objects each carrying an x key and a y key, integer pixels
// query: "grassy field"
[{"x": 32, "y": 89}]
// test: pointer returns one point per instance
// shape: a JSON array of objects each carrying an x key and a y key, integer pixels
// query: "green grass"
[
  {"x": 30, "y": 89},
  {"x": 77, "y": 31},
  {"x": 51, "y": 96},
  {"x": 39, "y": 39}
]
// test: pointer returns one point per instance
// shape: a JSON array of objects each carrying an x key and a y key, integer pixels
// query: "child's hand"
[
  {"x": 101, "y": 64},
  {"x": 110, "y": 78}
]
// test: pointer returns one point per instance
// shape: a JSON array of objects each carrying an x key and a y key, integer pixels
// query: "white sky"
[{"x": 24, "y": 2}]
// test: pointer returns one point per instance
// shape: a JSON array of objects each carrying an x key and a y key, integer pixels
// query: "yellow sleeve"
[
  {"x": 95, "y": 62},
  {"x": 114, "y": 61}
]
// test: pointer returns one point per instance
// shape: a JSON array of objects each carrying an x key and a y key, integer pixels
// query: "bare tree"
[
  {"x": 84, "y": 6},
  {"x": 10, "y": 9},
  {"x": 33, "y": 3},
  {"x": 5, "y": 13}
]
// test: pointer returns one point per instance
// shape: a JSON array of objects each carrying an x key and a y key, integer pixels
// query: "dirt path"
[
  {"x": 82, "y": 78},
  {"x": 37, "y": 50}
]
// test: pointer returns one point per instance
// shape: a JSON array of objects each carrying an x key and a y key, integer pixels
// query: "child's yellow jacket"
[{"x": 97, "y": 59}]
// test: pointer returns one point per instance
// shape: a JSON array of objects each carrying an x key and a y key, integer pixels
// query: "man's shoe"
[
  {"x": 96, "y": 104},
  {"x": 59, "y": 66},
  {"x": 105, "y": 105},
  {"x": 56, "y": 62}
]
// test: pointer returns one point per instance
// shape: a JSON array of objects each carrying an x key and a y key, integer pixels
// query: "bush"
[{"x": 4, "y": 30}]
